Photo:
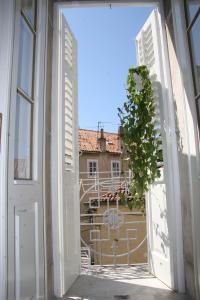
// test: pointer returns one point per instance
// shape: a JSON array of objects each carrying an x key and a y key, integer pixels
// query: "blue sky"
[{"x": 106, "y": 50}]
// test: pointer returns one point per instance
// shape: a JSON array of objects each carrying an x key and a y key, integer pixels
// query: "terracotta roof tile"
[
  {"x": 116, "y": 196},
  {"x": 88, "y": 141}
]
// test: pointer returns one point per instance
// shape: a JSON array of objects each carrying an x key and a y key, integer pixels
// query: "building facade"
[{"x": 103, "y": 171}]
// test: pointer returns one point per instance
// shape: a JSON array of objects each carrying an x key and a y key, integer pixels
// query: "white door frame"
[
  {"x": 57, "y": 159},
  {"x": 7, "y": 18},
  {"x": 190, "y": 116},
  {"x": 7, "y": 21},
  {"x": 172, "y": 155},
  {"x": 173, "y": 176}
]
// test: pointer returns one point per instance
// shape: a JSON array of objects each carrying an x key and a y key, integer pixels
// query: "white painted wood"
[
  {"x": 175, "y": 258},
  {"x": 157, "y": 222},
  {"x": 86, "y": 3},
  {"x": 173, "y": 171},
  {"x": 65, "y": 172},
  {"x": 164, "y": 212},
  {"x": 25, "y": 197},
  {"x": 189, "y": 110},
  {"x": 6, "y": 27},
  {"x": 158, "y": 232},
  {"x": 6, "y": 52}
]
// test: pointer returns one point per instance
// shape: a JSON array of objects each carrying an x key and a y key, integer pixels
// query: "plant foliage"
[{"x": 140, "y": 138}]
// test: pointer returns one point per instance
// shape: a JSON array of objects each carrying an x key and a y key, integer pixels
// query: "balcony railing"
[{"x": 112, "y": 232}]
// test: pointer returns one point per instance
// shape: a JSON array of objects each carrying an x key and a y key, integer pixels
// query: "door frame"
[
  {"x": 173, "y": 179},
  {"x": 190, "y": 115},
  {"x": 7, "y": 19},
  {"x": 172, "y": 165},
  {"x": 7, "y": 36},
  {"x": 56, "y": 158}
]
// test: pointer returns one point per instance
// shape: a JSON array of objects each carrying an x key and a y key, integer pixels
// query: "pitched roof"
[{"x": 88, "y": 141}]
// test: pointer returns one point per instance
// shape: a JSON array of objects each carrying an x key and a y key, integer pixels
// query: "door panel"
[
  {"x": 65, "y": 189},
  {"x": 149, "y": 43},
  {"x": 159, "y": 243},
  {"x": 25, "y": 164},
  {"x": 71, "y": 219},
  {"x": 26, "y": 253}
]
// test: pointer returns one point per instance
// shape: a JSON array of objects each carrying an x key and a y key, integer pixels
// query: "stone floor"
[{"x": 117, "y": 282}]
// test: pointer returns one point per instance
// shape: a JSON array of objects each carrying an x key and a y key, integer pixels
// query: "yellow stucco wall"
[{"x": 113, "y": 243}]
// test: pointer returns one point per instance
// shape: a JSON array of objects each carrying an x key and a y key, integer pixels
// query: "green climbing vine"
[{"x": 140, "y": 138}]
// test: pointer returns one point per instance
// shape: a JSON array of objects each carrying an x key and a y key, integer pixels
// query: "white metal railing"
[
  {"x": 105, "y": 223},
  {"x": 104, "y": 182}
]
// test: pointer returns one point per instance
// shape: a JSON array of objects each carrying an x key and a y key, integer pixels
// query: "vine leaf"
[{"x": 141, "y": 141}]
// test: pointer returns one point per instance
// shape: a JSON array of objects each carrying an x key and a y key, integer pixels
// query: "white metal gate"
[{"x": 113, "y": 233}]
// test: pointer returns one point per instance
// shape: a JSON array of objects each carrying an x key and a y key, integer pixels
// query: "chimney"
[
  {"x": 120, "y": 131},
  {"x": 102, "y": 133},
  {"x": 120, "y": 138},
  {"x": 102, "y": 141}
]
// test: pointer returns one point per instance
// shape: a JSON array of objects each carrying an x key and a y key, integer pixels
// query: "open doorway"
[
  {"x": 160, "y": 215},
  {"x": 111, "y": 233}
]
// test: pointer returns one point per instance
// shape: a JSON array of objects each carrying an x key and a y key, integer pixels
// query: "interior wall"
[{"x": 183, "y": 152}]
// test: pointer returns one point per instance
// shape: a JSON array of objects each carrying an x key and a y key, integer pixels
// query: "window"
[
  {"x": 92, "y": 168},
  {"x": 94, "y": 203},
  {"x": 115, "y": 166},
  {"x": 25, "y": 92},
  {"x": 192, "y": 9}
]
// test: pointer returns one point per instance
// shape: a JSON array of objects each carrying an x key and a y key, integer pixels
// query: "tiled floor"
[{"x": 116, "y": 282}]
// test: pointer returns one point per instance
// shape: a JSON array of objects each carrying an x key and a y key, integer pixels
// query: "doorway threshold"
[
  {"x": 123, "y": 273},
  {"x": 120, "y": 282}
]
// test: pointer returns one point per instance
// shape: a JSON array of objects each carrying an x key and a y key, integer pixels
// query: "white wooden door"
[
  {"x": 149, "y": 42},
  {"x": 25, "y": 164},
  {"x": 65, "y": 158},
  {"x": 163, "y": 199},
  {"x": 158, "y": 231}
]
